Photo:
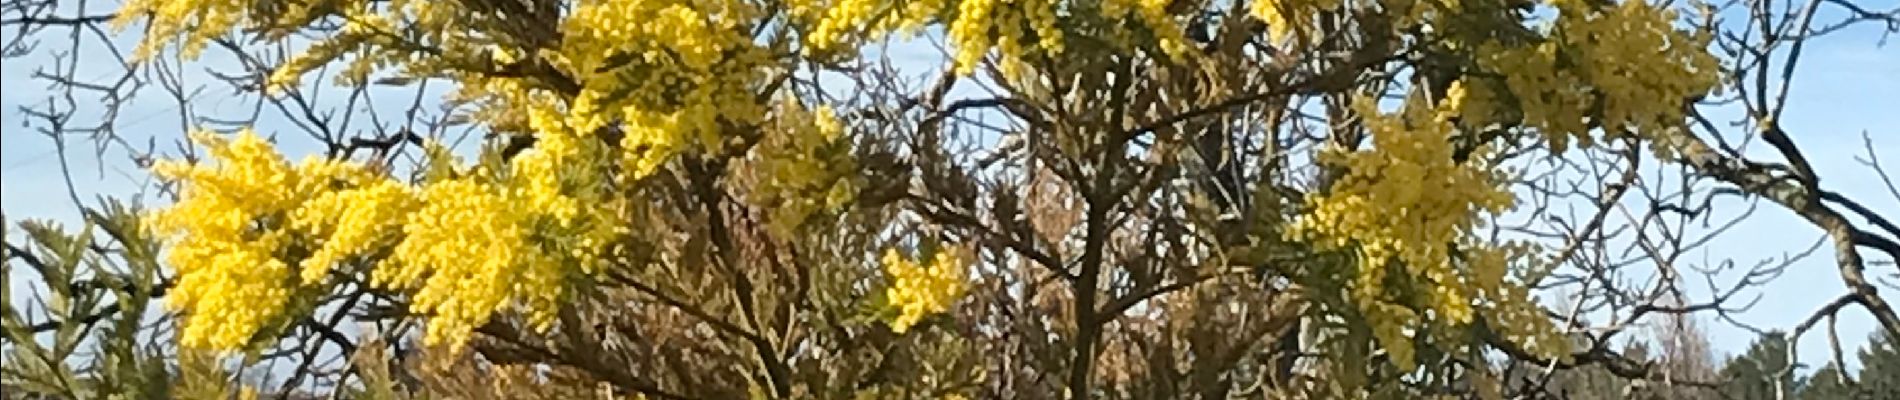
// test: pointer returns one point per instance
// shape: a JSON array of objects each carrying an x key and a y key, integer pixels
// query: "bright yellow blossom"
[
  {"x": 467, "y": 256},
  {"x": 1407, "y": 207},
  {"x": 352, "y": 222},
  {"x": 229, "y": 241},
  {"x": 921, "y": 290},
  {"x": 251, "y": 232}
]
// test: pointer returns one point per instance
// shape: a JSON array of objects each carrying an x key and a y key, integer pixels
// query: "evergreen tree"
[
  {"x": 1880, "y": 368},
  {"x": 1758, "y": 374},
  {"x": 1828, "y": 383}
]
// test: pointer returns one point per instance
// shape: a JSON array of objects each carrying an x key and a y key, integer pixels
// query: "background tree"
[
  {"x": 1684, "y": 357},
  {"x": 1878, "y": 368},
  {"x": 1762, "y": 372},
  {"x": 1829, "y": 382},
  {"x": 1584, "y": 382}
]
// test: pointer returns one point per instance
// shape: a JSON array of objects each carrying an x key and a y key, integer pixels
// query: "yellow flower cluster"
[
  {"x": 1548, "y": 98},
  {"x": 250, "y": 233},
  {"x": 846, "y": 24},
  {"x": 805, "y": 167},
  {"x": 191, "y": 24},
  {"x": 920, "y": 290},
  {"x": 364, "y": 31},
  {"x": 1510, "y": 309},
  {"x": 667, "y": 74},
  {"x": 1402, "y": 206},
  {"x": 467, "y": 255},
  {"x": 511, "y": 104},
  {"x": 670, "y": 72},
  {"x": 1284, "y": 18},
  {"x": 1014, "y": 29},
  {"x": 1406, "y": 209},
  {"x": 1646, "y": 97},
  {"x": 353, "y": 222},
  {"x": 235, "y": 239},
  {"x": 486, "y": 243},
  {"x": 1154, "y": 15},
  {"x": 1004, "y": 25},
  {"x": 1556, "y": 82}
]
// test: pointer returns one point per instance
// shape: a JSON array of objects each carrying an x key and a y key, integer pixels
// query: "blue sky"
[{"x": 1847, "y": 87}]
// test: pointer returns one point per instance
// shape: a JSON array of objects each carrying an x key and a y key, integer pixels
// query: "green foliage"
[
  {"x": 1828, "y": 383},
  {"x": 1763, "y": 372},
  {"x": 84, "y": 335},
  {"x": 1880, "y": 368}
]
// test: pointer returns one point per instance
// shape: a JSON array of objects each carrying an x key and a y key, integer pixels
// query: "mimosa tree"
[{"x": 1080, "y": 199}]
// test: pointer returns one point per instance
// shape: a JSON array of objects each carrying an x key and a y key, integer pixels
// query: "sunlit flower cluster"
[
  {"x": 237, "y": 252},
  {"x": 846, "y": 24},
  {"x": 1406, "y": 209},
  {"x": 363, "y": 32},
  {"x": 189, "y": 24},
  {"x": 251, "y": 232},
  {"x": 354, "y": 222},
  {"x": 493, "y": 241},
  {"x": 669, "y": 72},
  {"x": 1005, "y": 26},
  {"x": 1556, "y": 84},
  {"x": 1404, "y": 206},
  {"x": 469, "y": 254},
  {"x": 508, "y": 235},
  {"x": 919, "y": 290},
  {"x": 1645, "y": 98},
  {"x": 1508, "y": 305},
  {"x": 1014, "y": 30},
  {"x": 1548, "y": 98}
]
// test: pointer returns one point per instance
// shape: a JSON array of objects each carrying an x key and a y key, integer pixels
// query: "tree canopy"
[{"x": 677, "y": 199}]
